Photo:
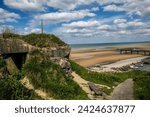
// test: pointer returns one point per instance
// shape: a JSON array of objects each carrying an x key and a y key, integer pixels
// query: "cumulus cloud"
[
  {"x": 68, "y": 4},
  {"x": 124, "y": 24},
  {"x": 95, "y": 9},
  {"x": 6, "y": 16},
  {"x": 28, "y": 30},
  {"x": 113, "y": 8},
  {"x": 64, "y": 16},
  {"x": 26, "y": 5},
  {"x": 118, "y": 21},
  {"x": 79, "y": 24},
  {"x": 132, "y": 7},
  {"x": 3, "y": 27},
  {"x": 116, "y": 29},
  {"x": 38, "y": 5},
  {"x": 84, "y": 28}
]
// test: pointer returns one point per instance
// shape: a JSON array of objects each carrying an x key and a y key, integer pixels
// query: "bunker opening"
[{"x": 18, "y": 58}]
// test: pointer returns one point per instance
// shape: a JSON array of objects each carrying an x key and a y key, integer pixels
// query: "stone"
[{"x": 11, "y": 67}]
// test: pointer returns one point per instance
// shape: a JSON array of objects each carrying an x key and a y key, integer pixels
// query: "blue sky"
[{"x": 80, "y": 21}]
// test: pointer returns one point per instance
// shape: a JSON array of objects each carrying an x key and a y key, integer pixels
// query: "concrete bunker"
[{"x": 18, "y": 58}]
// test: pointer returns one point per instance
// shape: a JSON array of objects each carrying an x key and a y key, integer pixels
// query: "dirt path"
[
  {"x": 85, "y": 87},
  {"x": 123, "y": 91},
  {"x": 39, "y": 92},
  {"x": 83, "y": 84}
]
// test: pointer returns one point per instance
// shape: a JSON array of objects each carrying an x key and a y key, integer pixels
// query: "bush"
[
  {"x": 142, "y": 88},
  {"x": 10, "y": 35},
  {"x": 12, "y": 89}
]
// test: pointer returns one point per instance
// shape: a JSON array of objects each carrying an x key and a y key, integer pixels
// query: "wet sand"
[{"x": 87, "y": 57}]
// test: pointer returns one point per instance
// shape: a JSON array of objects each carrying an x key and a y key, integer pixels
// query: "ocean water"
[{"x": 104, "y": 45}]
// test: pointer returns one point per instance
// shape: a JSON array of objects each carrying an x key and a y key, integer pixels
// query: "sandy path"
[
  {"x": 85, "y": 87},
  {"x": 123, "y": 91},
  {"x": 83, "y": 84},
  {"x": 39, "y": 92}
]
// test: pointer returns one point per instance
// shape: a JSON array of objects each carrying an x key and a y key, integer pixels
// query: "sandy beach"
[{"x": 87, "y": 57}]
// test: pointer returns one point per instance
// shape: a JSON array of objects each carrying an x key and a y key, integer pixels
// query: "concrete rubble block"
[{"x": 11, "y": 66}]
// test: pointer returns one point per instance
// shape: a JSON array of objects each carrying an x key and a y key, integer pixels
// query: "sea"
[{"x": 105, "y": 45}]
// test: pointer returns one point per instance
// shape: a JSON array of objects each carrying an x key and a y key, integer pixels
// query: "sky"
[{"x": 80, "y": 21}]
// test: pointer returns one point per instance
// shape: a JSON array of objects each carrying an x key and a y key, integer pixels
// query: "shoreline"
[
  {"x": 111, "y": 67},
  {"x": 88, "y": 57}
]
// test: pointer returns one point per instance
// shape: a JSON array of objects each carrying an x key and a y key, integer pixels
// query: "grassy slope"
[
  {"x": 141, "y": 78},
  {"x": 39, "y": 40},
  {"x": 12, "y": 89},
  {"x": 44, "y": 74},
  {"x": 42, "y": 40}
]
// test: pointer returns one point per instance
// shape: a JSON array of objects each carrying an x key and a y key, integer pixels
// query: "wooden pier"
[{"x": 134, "y": 51}]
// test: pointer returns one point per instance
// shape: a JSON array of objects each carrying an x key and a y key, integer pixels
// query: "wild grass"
[{"x": 141, "y": 79}]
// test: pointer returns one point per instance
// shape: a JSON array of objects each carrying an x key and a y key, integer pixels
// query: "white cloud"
[
  {"x": 113, "y": 8},
  {"x": 84, "y": 28},
  {"x": 105, "y": 27},
  {"x": 68, "y": 4},
  {"x": 26, "y": 5},
  {"x": 90, "y": 23},
  {"x": 95, "y": 9},
  {"x": 124, "y": 24},
  {"x": 3, "y": 27},
  {"x": 132, "y": 7},
  {"x": 28, "y": 30},
  {"x": 38, "y": 5},
  {"x": 6, "y": 16},
  {"x": 64, "y": 16},
  {"x": 118, "y": 21}
]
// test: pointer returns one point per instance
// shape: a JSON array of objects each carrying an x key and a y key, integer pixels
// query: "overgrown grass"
[
  {"x": 142, "y": 87},
  {"x": 11, "y": 35},
  {"x": 141, "y": 79},
  {"x": 109, "y": 79},
  {"x": 51, "y": 77},
  {"x": 39, "y": 40},
  {"x": 42, "y": 40},
  {"x": 12, "y": 89}
]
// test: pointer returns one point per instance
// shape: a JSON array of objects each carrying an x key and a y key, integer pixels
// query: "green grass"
[
  {"x": 142, "y": 87},
  {"x": 109, "y": 79},
  {"x": 12, "y": 89},
  {"x": 11, "y": 35},
  {"x": 42, "y": 40},
  {"x": 141, "y": 80},
  {"x": 52, "y": 78},
  {"x": 39, "y": 40}
]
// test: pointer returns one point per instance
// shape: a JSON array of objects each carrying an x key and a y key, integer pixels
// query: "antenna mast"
[{"x": 42, "y": 30}]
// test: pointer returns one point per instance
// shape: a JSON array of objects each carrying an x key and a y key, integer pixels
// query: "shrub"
[{"x": 12, "y": 89}]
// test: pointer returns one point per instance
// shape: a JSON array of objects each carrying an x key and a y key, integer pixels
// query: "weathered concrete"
[
  {"x": 8, "y": 46},
  {"x": 13, "y": 47},
  {"x": 11, "y": 67}
]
